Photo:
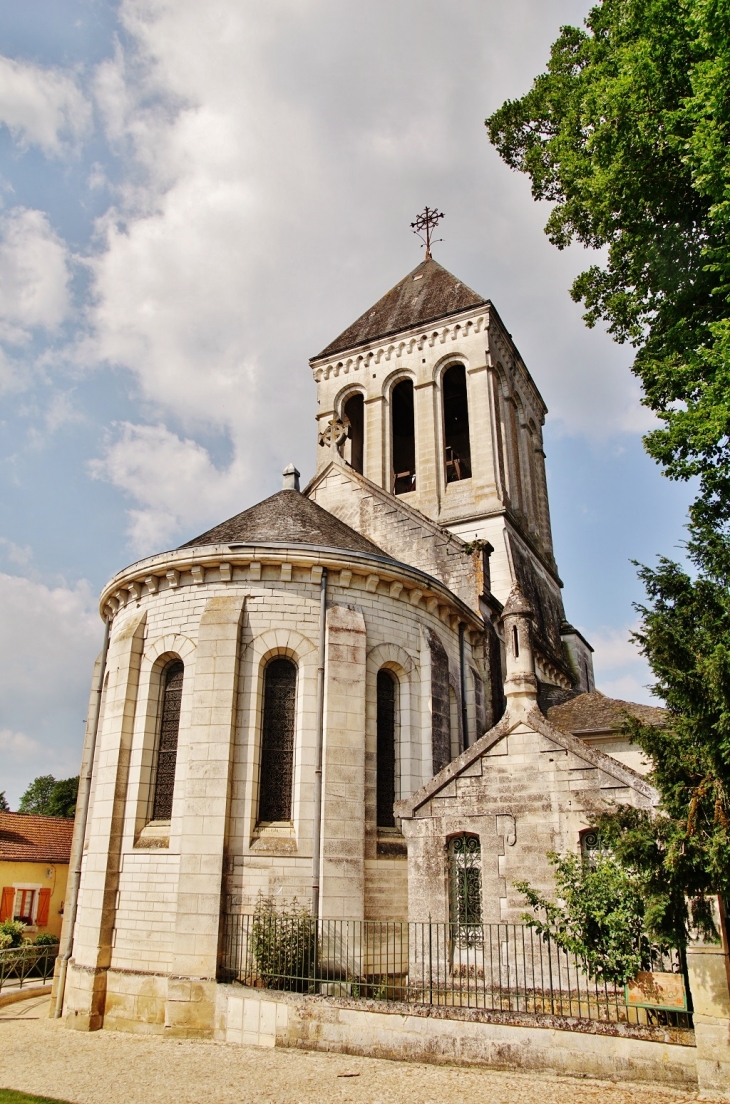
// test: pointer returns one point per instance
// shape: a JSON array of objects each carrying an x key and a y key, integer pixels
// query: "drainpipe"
[
  {"x": 462, "y": 674},
  {"x": 77, "y": 847},
  {"x": 317, "y": 826}
]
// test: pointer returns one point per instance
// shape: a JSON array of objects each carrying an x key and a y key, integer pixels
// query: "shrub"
[
  {"x": 599, "y": 916},
  {"x": 6, "y": 940},
  {"x": 46, "y": 939},
  {"x": 283, "y": 944},
  {"x": 16, "y": 930}
]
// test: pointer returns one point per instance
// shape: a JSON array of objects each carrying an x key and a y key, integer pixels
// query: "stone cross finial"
[
  {"x": 290, "y": 481},
  {"x": 520, "y": 685}
]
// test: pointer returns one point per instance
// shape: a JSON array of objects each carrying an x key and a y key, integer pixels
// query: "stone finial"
[
  {"x": 520, "y": 685},
  {"x": 290, "y": 481}
]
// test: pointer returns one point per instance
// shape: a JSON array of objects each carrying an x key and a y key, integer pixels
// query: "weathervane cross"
[{"x": 427, "y": 222}]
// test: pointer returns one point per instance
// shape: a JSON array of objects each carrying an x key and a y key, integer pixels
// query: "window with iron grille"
[
  {"x": 172, "y": 683},
  {"x": 277, "y": 741},
  {"x": 465, "y": 876},
  {"x": 385, "y": 762}
]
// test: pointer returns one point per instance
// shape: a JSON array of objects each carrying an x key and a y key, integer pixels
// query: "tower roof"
[
  {"x": 425, "y": 294},
  {"x": 287, "y": 518}
]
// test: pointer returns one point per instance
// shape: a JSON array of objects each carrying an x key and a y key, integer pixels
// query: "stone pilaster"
[
  {"x": 86, "y": 984},
  {"x": 204, "y": 818},
  {"x": 343, "y": 795},
  {"x": 708, "y": 965}
]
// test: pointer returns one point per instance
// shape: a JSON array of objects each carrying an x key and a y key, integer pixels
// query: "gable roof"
[
  {"x": 595, "y": 712},
  {"x": 534, "y": 719},
  {"x": 35, "y": 838},
  {"x": 427, "y": 293},
  {"x": 287, "y": 518}
]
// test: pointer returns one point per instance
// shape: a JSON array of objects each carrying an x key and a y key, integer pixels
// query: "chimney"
[
  {"x": 520, "y": 685},
  {"x": 290, "y": 481}
]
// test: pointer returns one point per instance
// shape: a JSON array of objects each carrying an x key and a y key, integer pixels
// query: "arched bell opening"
[
  {"x": 403, "y": 438},
  {"x": 354, "y": 412},
  {"x": 457, "y": 446}
]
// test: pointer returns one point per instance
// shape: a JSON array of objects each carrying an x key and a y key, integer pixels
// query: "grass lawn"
[{"x": 10, "y": 1096}]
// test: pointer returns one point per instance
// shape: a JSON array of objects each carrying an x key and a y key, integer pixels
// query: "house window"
[
  {"x": 591, "y": 844},
  {"x": 385, "y": 764},
  {"x": 465, "y": 876},
  {"x": 24, "y": 905},
  {"x": 404, "y": 438},
  {"x": 172, "y": 683},
  {"x": 277, "y": 741},
  {"x": 457, "y": 448}
]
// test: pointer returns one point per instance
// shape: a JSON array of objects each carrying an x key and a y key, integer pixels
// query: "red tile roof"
[{"x": 35, "y": 838}]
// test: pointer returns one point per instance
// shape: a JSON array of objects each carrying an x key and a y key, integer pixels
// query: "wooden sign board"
[{"x": 657, "y": 990}]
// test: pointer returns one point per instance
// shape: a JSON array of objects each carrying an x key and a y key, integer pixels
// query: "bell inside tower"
[
  {"x": 354, "y": 411},
  {"x": 457, "y": 449},
  {"x": 403, "y": 437}
]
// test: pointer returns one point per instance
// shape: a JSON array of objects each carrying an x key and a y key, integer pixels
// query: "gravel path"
[{"x": 39, "y": 1055}]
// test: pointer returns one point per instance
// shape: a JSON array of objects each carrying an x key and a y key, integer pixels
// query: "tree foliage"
[
  {"x": 45, "y": 796},
  {"x": 628, "y": 135},
  {"x": 599, "y": 916},
  {"x": 4, "y": 806}
]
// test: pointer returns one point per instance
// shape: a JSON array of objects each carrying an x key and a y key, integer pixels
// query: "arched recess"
[
  {"x": 403, "y": 437},
  {"x": 267, "y": 646},
  {"x": 455, "y": 422},
  {"x": 408, "y": 767},
  {"x": 351, "y": 406},
  {"x": 278, "y": 722},
  {"x": 158, "y": 654}
]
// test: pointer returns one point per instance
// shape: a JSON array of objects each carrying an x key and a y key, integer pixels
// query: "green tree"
[
  {"x": 627, "y": 134},
  {"x": 37, "y": 797},
  {"x": 4, "y": 806},
  {"x": 62, "y": 801},
  {"x": 45, "y": 796},
  {"x": 601, "y": 917}
]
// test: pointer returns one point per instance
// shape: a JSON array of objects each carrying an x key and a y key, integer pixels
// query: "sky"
[{"x": 197, "y": 197}]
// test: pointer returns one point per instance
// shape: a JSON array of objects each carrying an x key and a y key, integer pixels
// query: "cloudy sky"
[{"x": 194, "y": 199}]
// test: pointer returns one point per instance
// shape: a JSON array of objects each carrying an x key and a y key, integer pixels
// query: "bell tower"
[{"x": 427, "y": 396}]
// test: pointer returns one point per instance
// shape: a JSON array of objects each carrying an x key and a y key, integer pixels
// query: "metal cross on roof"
[{"x": 427, "y": 222}]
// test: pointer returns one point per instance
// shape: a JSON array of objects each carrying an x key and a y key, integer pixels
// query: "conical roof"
[
  {"x": 287, "y": 518},
  {"x": 424, "y": 295}
]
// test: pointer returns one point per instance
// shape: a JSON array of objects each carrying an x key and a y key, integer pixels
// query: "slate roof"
[
  {"x": 427, "y": 293},
  {"x": 287, "y": 518},
  {"x": 35, "y": 838},
  {"x": 596, "y": 713}
]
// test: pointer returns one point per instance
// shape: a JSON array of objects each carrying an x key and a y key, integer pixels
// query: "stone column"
[
  {"x": 191, "y": 991},
  {"x": 92, "y": 948},
  {"x": 343, "y": 796},
  {"x": 374, "y": 417},
  {"x": 483, "y": 458},
  {"x": 708, "y": 965},
  {"x": 429, "y": 449}
]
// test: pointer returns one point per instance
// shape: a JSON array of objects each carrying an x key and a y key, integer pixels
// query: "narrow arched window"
[
  {"x": 404, "y": 438},
  {"x": 465, "y": 877},
  {"x": 172, "y": 684},
  {"x": 354, "y": 412},
  {"x": 385, "y": 764},
  {"x": 457, "y": 448},
  {"x": 277, "y": 740}
]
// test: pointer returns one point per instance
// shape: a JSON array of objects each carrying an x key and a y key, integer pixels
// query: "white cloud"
[
  {"x": 15, "y": 553},
  {"x": 173, "y": 479},
  {"x": 620, "y": 670},
  {"x": 49, "y": 636},
  {"x": 34, "y": 275},
  {"x": 42, "y": 106},
  {"x": 17, "y": 745},
  {"x": 267, "y": 197}
]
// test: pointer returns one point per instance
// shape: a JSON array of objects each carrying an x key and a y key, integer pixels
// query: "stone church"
[{"x": 314, "y": 699}]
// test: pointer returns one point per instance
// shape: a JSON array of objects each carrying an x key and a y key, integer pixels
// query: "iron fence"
[
  {"x": 495, "y": 967},
  {"x": 26, "y": 965}
]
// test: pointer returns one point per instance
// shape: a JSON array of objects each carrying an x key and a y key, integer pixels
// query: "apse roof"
[
  {"x": 427, "y": 293},
  {"x": 287, "y": 518}
]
